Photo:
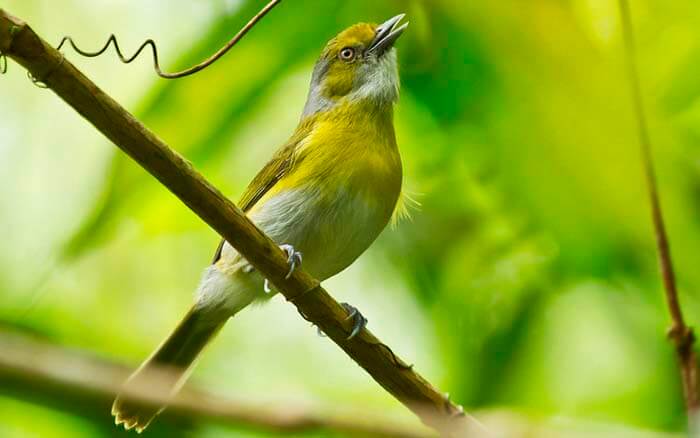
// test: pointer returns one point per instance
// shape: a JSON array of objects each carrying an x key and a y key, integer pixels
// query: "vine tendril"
[{"x": 154, "y": 50}]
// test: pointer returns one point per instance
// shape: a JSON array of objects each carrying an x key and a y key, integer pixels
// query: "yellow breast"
[
  {"x": 351, "y": 146},
  {"x": 340, "y": 192}
]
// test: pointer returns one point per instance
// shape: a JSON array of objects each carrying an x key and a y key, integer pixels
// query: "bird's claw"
[
  {"x": 293, "y": 260},
  {"x": 359, "y": 321}
]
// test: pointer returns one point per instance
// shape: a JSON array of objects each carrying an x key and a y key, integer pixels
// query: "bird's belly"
[{"x": 330, "y": 228}]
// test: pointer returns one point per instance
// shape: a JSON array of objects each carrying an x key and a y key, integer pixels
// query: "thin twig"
[
  {"x": 45, "y": 63},
  {"x": 154, "y": 50},
  {"x": 681, "y": 335}
]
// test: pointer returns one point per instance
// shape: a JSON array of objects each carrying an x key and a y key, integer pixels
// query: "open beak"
[{"x": 387, "y": 34}]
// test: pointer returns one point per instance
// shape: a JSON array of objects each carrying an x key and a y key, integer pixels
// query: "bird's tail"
[{"x": 162, "y": 374}]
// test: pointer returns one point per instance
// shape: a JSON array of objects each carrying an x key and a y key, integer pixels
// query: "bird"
[{"x": 324, "y": 197}]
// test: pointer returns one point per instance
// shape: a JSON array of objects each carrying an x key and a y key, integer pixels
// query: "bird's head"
[{"x": 359, "y": 63}]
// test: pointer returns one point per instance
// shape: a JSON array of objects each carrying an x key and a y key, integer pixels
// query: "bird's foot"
[
  {"x": 358, "y": 320},
  {"x": 293, "y": 260}
]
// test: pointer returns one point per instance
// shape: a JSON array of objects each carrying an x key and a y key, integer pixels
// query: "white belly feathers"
[{"x": 330, "y": 230}]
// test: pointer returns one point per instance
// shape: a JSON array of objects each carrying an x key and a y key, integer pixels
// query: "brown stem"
[
  {"x": 22, "y": 44},
  {"x": 681, "y": 335}
]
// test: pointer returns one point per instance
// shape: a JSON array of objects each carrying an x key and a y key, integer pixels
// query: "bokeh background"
[{"x": 526, "y": 283}]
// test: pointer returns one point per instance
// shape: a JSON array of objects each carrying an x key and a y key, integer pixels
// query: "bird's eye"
[{"x": 347, "y": 54}]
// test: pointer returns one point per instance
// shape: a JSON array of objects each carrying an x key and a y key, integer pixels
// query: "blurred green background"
[{"x": 526, "y": 284}]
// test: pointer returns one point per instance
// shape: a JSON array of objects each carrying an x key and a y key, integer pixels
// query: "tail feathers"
[{"x": 161, "y": 376}]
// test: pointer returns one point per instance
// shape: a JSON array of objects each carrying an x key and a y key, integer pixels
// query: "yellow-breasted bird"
[{"x": 327, "y": 194}]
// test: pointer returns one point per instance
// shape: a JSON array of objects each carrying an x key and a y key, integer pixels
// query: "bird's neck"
[
  {"x": 370, "y": 119},
  {"x": 353, "y": 110},
  {"x": 368, "y": 97}
]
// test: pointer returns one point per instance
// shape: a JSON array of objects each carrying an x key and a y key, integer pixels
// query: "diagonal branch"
[
  {"x": 19, "y": 42},
  {"x": 680, "y": 333}
]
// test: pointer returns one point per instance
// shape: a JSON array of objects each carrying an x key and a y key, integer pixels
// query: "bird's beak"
[{"x": 387, "y": 34}]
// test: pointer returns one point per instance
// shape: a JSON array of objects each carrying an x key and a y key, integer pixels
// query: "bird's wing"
[
  {"x": 279, "y": 166},
  {"x": 274, "y": 170}
]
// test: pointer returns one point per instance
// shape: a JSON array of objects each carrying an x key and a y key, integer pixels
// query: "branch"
[
  {"x": 22, "y": 44},
  {"x": 28, "y": 367},
  {"x": 680, "y": 334},
  {"x": 48, "y": 374}
]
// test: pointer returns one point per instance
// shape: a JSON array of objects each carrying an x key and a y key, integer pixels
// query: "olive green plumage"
[{"x": 328, "y": 192}]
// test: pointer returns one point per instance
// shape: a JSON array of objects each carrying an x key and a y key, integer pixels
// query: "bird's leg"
[
  {"x": 358, "y": 320},
  {"x": 293, "y": 260}
]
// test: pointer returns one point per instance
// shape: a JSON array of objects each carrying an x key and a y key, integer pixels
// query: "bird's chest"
[{"x": 331, "y": 220}]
